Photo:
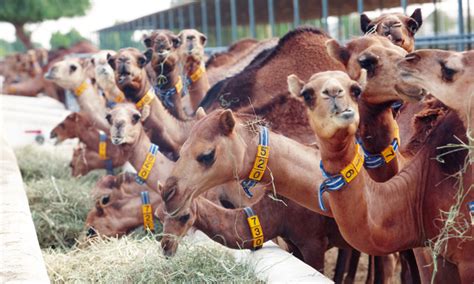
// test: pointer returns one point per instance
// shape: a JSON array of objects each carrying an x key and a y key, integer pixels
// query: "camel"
[
  {"x": 334, "y": 118},
  {"x": 191, "y": 54},
  {"x": 220, "y": 66},
  {"x": 78, "y": 125},
  {"x": 85, "y": 160},
  {"x": 104, "y": 76},
  {"x": 39, "y": 83},
  {"x": 261, "y": 87},
  {"x": 453, "y": 75},
  {"x": 167, "y": 131},
  {"x": 128, "y": 133},
  {"x": 162, "y": 53},
  {"x": 379, "y": 57},
  {"x": 71, "y": 74},
  {"x": 399, "y": 28},
  {"x": 117, "y": 209}
]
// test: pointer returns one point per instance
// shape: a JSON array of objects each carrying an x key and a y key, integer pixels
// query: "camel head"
[
  {"x": 128, "y": 65},
  {"x": 192, "y": 45},
  {"x": 79, "y": 165},
  {"x": 69, "y": 73},
  {"x": 447, "y": 75},
  {"x": 117, "y": 209},
  {"x": 330, "y": 98},
  {"x": 213, "y": 154},
  {"x": 377, "y": 55},
  {"x": 70, "y": 127},
  {"x": 398, "y": 28},
  {"x": 175, "y": 227},
  {"x": 126, "y": 126},
  {"x": 162, "y": 47},
  {"x": 103, "y": 72}
]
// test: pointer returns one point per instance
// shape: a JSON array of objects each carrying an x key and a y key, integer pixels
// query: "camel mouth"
[
  {"x": 411, "y": 93},
  {"x": 117, "y": 140},
  {"x": 347, "y": 114}
]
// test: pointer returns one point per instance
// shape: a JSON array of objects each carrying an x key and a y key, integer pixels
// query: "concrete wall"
[{"x": 20, "y": 255}]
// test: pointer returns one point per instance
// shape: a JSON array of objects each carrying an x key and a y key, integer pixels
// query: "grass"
[{"x": 59, "y": 204}]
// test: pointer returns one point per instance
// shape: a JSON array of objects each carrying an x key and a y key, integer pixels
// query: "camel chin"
[{"x": 410, "y": 93}]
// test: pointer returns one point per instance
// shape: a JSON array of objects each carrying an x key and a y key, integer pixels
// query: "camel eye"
[
  {"x": 136, "y": 118},
  {"x": 207, "y": 158},
  {"x": 356, "y": 91},
  {"x": 183, "y": 219},
  {"x": 109, "y": 118},
  {"x": 72, "y": 68},
  {"x": 447, "y": 73},
  {"x": 308, "y": 96},
  {"x": 104, "y": 200},
  {"x": 369, "y": 63}
]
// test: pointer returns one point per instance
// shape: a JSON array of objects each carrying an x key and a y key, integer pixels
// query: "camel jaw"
[{"x": 116, "y": 140}]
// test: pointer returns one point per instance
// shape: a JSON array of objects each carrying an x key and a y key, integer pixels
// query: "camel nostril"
[
  {"x": 169, "y": 193},
  {"x": 53, "y": 135}
]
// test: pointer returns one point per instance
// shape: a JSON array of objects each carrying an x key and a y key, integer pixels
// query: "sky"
[{"x": 103, "y": 13}]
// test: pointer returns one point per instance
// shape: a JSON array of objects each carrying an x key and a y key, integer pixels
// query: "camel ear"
[
  {"x": 147, "y": 41},
  {"x": 203, "y": 39},
  {"x": 295, "y": 85},
  {"x": 364, "y": 23},
  {"x": 415, "y": 21},
  {"x": 142, "y": 60},
  {"x": 338, "y": 52},
  {"x": 145, "y": 112},
  {"x": 227, "y": 122},
  {"x": 200, "y": 113},
  {"x": 362, "y": 78},
  {"x": 148, "y": 54},
  {"x": 111, "y": 60},
  {"x": 176, "y": 41}
]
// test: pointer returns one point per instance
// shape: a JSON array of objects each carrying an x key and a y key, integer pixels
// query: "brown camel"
[
  {"x": 72, "y": 74},
  {"x": 261, "y": 87},
  {"x": 85, "y": 160},
  {"x": 78, "y": 125},
  {"x": 167, "y": 131},
  {"x": 334, "y": 118},
  {"x": 162, "y": 52},
  {"x": 191, "y": 54},
  {"x": 378, "y": 56},
  {"x": 453, "y": 75},
  {"x": 400, "y": 29}
]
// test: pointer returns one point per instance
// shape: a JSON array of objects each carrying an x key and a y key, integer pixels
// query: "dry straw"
[{"x": 59, "y": 204}]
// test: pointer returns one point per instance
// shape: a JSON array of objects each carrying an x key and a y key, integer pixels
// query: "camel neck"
[
  {"x": 377, "y": 131},
  {"x": 170, "y": 72},
  {"x": 230, "y": 227},
  {"x": 366, "y": 206},
  {"x": 89, "y": 135},
  {"x": 137, "y": 153},
  {"x": 168, "y": 131},
  {"x": 292, "y": 168}
]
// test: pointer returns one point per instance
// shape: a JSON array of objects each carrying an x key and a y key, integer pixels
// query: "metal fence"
[{"x": 225, "y": 21}]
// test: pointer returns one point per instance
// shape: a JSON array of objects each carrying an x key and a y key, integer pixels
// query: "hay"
[
  {"x": 132, "y": 260},
  {"x": 59, "y": 204}
]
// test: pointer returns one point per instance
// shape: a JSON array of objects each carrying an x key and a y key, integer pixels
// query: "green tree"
[
  {"x": 65, "y": 40},
  {"x": 21, "y": 12}
]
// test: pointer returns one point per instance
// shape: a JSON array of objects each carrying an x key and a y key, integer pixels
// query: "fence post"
[
  {"x": 233, "y": 20},
  {"x": 325, "y": 15},
  {"x": 271, "y": 17},
  {"x": 252, "y": 19},
  {"x": 460, "y": 25},
  {"x": 296, "y": 13}
]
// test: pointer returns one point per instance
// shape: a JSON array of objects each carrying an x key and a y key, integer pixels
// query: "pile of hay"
[
  {"x": 59, "y": 204},
  {"x": 140, "y": 260}
]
